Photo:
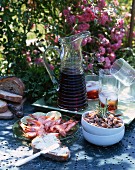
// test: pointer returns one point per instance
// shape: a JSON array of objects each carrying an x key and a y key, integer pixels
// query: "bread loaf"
[
  {"x": 10, "y": 96},
  {"x": 13, "y": 85},
  {"x": 3, "y": 106}
]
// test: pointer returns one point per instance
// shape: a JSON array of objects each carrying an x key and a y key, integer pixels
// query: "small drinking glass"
[
  {"x": 108, "y": 90},
  {"x": 92, "y": 86},
  {"x": 122, "y": 71},
  {"x": 126, "y": 93}
]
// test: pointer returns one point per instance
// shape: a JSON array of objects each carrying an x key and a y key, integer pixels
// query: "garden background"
[{"x": 28, "y": 27}]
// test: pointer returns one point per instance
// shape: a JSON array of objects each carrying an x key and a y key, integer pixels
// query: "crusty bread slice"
[
  {"x": 60, "y": 154},
  {"x": 3, "y": 106},
  {"x": 13, "y": 85},
  {"x": 10, "y": 96},
  {"x": 7, "y": 115}
]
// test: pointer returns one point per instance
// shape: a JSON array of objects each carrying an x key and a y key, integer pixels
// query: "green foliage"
[
  {"x": 37, "y": 82},
  {"x": 21, "y": 21}
]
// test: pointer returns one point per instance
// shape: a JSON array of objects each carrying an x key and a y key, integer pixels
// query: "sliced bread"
[
  {"x": 10, "y": 96},
  {"x": 13, "y": 85},
  {"x": 60, "y": 154},
  {"x": 6, "y": 115},
  {"x": 3, "y": 106}
]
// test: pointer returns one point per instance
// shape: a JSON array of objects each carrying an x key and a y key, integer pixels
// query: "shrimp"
[
  {"x": 30, "y": 135},
  {"x": 58, "y": 128},
  {"x": 51, "y": 123},
  {"x": 26, "y": 128},
  {"x": 65, "y": 124},
  {"x": 33, "y": 126},
  {"x": 70, "y": 126}
]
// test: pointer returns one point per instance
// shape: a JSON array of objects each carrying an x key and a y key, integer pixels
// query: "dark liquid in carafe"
[{"x": 72, "y": 90}]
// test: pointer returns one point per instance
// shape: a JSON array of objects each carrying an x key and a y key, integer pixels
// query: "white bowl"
[
  {"x": 99, "y": 130},
  {"x": 103, "y": 140}
]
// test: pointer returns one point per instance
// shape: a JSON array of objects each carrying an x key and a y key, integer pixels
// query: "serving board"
[{"x": 127, "y": 110}]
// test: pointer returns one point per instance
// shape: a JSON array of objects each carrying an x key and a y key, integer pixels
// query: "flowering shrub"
[
  {"x": 107, "y": 31},
  {"x": 44, "y": 22}
]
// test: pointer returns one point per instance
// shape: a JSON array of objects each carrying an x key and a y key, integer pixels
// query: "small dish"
[
  {"x": 103, "y": 140},
  {"x": 99, "y": 130}
]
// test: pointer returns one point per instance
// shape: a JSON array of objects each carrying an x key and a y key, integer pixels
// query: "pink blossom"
[
  {"x": 38, "y": 60},
  {"x": 82, "y": 7},
  {"x": 84, "y": 41},
  {"x": 85, "y": 2},
  {"x": 101, "y": 59},
  {"x": 87, "y": 17},
  {"x": 56, "y": 39},
  {"x": 109, "y": 50},
  {"x": 104, "y": 18},
  {"x": 71, "y": 19},
  {"x": 89, "y": 39},
  {"x": 101, "y": 36},
  {"x": 102, "y": 50},
  {"x": 89, "y": 14},
  {"x": 105, "y": 42},
  {"x": 101, "y": 4},
  {"x": 28, "y": 59},
  {"x": 112, "y": 56},
  {"x": 60, "y": 14},
  {"x": 66, "y": 12},
  {"x": 51, "y": 67},
  {"x": 35, "y": 52},
  {"x": 86, "y": 57},
  {"x": 116, "y": 2},
  {"x": 28, "y": 53},
  {"x": 107, "y": 63},
  {"x": 120, "y": 23},
  {"x": 117, "y": 45},
  {"x": 90, "y": 66},
  {"x": 80, "y": 18},
  {"x": 116, "y": 35},
  {"x": 134, "y": 34},
  {"x": 69, "y": 8},
  {"x": 76, "y": 31},
  {"x": 83, "y": 27},
  {"x": 127, "y": 15},
  {"x": 96, "y": 9},
  {"x": 98, "y": 55}
]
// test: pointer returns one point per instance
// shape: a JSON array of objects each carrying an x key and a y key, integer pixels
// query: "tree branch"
[{"x": 131, "y": 24}]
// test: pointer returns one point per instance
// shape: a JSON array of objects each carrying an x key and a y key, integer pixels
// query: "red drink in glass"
[
  {"x": 110, "y": 98},
  {"x": 92, "y": 88},
  {"x": 72, "y": 90}
]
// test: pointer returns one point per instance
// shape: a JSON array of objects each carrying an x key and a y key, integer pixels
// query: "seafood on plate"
[{"x": 40, "y": 124}]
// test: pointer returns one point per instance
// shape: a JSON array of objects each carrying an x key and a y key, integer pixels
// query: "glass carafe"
[{"x": 71, "y": 85}]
